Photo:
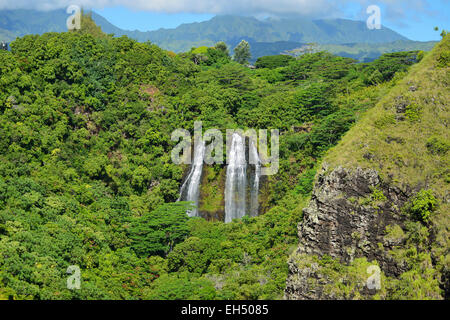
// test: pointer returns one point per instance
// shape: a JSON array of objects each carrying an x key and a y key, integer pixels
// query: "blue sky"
[{"x": 414, "y": 19}]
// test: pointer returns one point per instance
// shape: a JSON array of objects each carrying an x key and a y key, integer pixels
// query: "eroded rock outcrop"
[{"x": 346, "y": 219}]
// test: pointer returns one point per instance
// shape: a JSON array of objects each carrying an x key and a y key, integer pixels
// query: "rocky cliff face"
[
  {"x": 346, "y": 219},
  {"x": 356, "y": 221}
]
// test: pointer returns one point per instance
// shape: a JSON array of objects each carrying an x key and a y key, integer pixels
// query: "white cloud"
[
  {"x": 177, "y": 6},
  {"x": 316, "y": 8}
]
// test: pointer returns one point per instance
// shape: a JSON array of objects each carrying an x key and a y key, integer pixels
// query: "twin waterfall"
[{"x": 242, "y": 179}]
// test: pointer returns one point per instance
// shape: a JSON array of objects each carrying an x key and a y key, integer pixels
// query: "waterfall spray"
[
  {"x": 254, "y": 191},
  {"x": 235, "y": 186},
  {"x": 190, "y": 190}
]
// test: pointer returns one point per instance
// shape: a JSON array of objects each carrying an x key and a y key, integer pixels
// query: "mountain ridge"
[
  {"x": 228, "y": 28},
  {"x": 232, "y": 29}
]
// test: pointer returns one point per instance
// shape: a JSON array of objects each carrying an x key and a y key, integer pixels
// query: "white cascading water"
[
  {"x": 190, "y": 190},
  {"x": 235, "y": 186},
  {"x": 254, "y": 192}
]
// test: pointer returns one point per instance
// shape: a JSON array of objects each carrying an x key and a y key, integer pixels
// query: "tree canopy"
[
  {"x": 86, "y": 177},
  {"x": 242, "y": 52}
]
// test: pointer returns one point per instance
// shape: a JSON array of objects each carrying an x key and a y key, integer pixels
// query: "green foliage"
[
  {"x": 222, "y": 46},
  {"x": 377, "y": 195},
  {"x": 273, "y": 62},
  {"x": 305, "y": 183},
  {"x": 413, "y": 112},
  {"x": 417, "y": 284},
  {"x": 420, "y": 55},
  {"x": 180, "y": 286},
  {"x": 86, "y": 177},
  {"x": 157, "y": 232},
  {"x": 321, "y": 65},
  {"x": 200, "y": 50},
  {"x": 375, "y": 77},
  {"x": 438, "y": 146},
  {"x": 217, "y": 56},
  {"x": 422, "y": 280},
  {"x": 422, "y": 205},
  {"x": 394, "y": 233},
  {"x": 385, "y": 67},
  {"x": 344, "y": 281},
  {"x": 88, "y": 26},
  {"x": 271, "y": 75},
  {"x": 444, "y": 59},
  {"x": 328, "y": 132},
  {"x": 242, "y": 52},
  {"x": 384, "y": 120}
]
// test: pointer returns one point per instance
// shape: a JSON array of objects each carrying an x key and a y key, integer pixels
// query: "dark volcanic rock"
[
  {"x": 345, "y": 221},
  {"x": 400, "y": 105}
]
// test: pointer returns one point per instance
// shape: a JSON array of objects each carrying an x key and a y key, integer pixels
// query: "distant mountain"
[
  {"x": 233, "y": 29},
  {"x": 266, "y": 37},
  {"x": 17, "y": 23}
]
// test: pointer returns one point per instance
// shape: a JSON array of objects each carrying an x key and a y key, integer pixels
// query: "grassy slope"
[{"x": 408, "y": 161}]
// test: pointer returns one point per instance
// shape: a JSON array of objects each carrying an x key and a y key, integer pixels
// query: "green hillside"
[
  {"x": 86, "y": 176},
  {"x": 389, "y": 176},
  {"x": 407, "y": 140},
  {"x": 17, "y": 23},
  {"x": 420, "y": 155}
]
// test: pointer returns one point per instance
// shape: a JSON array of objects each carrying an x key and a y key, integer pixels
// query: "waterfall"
[
  {"x": 240, "y": 199},
  {"x": 190, "y": 190},
  {"x": 254, "y": 191},
  {"x": 235, "y": 186}
]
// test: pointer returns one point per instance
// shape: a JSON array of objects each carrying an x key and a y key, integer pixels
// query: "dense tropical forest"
[{"x": 86, "y": 176}]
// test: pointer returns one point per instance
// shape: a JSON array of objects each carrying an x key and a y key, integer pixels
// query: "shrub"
[
  {"x": 438, "y": 146},
  {"x": 384, "y": 120},
  {"x": 375, "y": 78},
  {"x": 157, "y": 232},
  {"x": 444, "y": 59},
  {"x": 306, "y": 182},
  {"x": 377, "y": 195},
  {"x": 422, "y": 205},
  {"x": 385, "y": 67},
  {"x": 273, "y": 62},
  {"x": 420, "y": 55},
  {"x": 413, "y": 112}
]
